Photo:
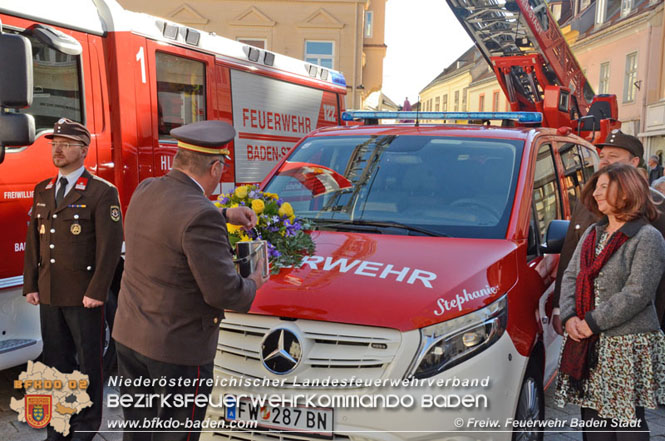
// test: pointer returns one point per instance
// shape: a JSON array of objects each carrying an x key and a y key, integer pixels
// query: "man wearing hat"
[
  {"x": 625, "y": 149},
  {"x": 72, "y": 249},
  {"x": 179, "y": 278}
]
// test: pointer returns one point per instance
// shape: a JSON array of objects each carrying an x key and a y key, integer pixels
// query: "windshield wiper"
[{"x": 379, "y": 224}]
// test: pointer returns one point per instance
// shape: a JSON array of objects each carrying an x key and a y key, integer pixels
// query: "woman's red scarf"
[{"x": 580, "y": 357}]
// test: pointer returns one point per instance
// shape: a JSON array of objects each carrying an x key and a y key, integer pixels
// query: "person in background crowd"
[
  {"x": 655, "y": 169},
  {"x": 72, "y": 250},
  {"x": 617, "y": 148},
  {"x": 179, "y": 278},
  {"x": 613, "y": 358},
  {"x": 659, "y": 185}
]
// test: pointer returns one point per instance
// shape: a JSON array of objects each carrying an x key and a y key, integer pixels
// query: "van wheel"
[{"x": 531, "y": 405}]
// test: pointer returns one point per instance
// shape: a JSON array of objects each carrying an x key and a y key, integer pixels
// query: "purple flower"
[
  {"x": 272, "y": 251},
  {"x": 224, "y": 200},
  {"x": 255, "y": 194}
]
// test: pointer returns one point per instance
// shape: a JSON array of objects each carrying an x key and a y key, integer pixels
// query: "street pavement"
[{"x": 12, "y": 430}]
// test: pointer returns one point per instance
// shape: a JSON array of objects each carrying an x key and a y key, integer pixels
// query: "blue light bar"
[
  {"x": 522, "y": 117},
  {"x": 339, "y": 79}
]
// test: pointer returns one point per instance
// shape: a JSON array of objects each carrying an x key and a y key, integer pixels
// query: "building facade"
[
  {"x": 620, "y": 46},
  {"x": 345, "y": 35}
]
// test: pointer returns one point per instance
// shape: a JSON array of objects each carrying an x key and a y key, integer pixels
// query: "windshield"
[{"x": 445, "y": 186}]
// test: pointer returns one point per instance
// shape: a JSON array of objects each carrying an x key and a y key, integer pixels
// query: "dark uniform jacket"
[
  {"x": 73, "y": 251},
  {"x": 581, "y": 219},
  {"x": 179, "y": 274}
]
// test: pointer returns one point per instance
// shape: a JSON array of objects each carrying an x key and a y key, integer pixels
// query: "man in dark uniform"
[
  {"x": 625, "y": 149},
  {"x": 179, "y": 278},
  {"x": 72, "y": 249}
]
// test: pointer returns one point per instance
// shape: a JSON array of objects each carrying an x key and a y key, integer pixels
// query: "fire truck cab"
[
  {"x": 131, "y": 78},
  {"x": 427, "y": 304}
]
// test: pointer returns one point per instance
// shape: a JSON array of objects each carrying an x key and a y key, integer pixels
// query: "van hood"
[{"x": 401, "y": 282}]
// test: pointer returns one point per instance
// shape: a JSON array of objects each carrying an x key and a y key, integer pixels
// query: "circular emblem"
[
  {"x": 75, "y": 229},
  {"x": 281, "y": 351}
]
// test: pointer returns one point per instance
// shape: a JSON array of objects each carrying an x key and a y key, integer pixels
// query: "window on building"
[
  {"x": 584, "y": 4},
  {"x": 180, "y": 92},
  {"x": 464, "y": 94},
  {"x": 495, "y": 101},
  {"x": 320, "y": 52},
  {"x": 601, "y": 11},
  {"x": 445, "y": 103},
  {"x": 456, "y": 108},
  {"x": 481, "y": 102},
  {"x": 369, "y": 24},
  {"x": 630, "y": 80},
  {"x": 604, "y": 83},
  {"x": 626, "y": 7},
  {"x": 256, "y": 42},
  {"x": 437, "y": 104}
]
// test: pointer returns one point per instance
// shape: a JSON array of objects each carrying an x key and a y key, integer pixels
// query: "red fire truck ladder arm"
[{"x": 530, "y": 56}]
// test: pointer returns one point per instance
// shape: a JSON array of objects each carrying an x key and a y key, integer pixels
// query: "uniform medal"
[
  {"x": 75, "y": 229},
  {"x": 42, "y": 229}
]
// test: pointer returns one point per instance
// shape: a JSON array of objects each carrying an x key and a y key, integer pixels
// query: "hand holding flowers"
[{"x": 276, "y": 223}]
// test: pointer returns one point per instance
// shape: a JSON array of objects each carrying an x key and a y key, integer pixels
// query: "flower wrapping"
[{"x": 285, "y": 233}]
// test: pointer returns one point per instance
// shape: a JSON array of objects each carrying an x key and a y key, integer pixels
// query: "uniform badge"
[
  {"x": 115, "y": 213},
  {"x": 42, "y": 229},
  {"x": 38, "y": 410},
  {"x": 75, "y": 229},
  {"x": 81, "y": 184}
]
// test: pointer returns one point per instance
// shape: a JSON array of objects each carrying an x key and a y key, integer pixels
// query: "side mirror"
[
  {"x": 15, "y": 91},
  {"x": 555, "y": 236},
  {"x": 16, "y": 72},
  {"x": 55, "y": 39}
]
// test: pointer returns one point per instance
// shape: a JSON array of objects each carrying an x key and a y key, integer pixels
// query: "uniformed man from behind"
[
  {"x": 72, "y": 249},
  {"x": 178, "y": 279}
]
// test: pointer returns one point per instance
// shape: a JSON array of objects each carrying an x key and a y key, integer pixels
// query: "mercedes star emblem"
[{"x": 281, "y": 351}]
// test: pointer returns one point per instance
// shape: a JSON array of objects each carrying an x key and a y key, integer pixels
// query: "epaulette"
[{"x": 104, "y": 181}]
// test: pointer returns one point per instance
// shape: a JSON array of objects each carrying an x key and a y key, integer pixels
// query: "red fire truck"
[{"x": 131, "y": 78}]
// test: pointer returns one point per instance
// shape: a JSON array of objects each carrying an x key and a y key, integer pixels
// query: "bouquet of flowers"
[{"x": 278, "y": 226}]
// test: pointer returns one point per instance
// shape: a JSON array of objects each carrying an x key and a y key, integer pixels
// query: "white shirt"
[
  {"x": 71, "y": 179},
  {"x": 197, "y": 183}
]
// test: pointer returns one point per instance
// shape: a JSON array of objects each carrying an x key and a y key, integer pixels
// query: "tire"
[{"x": 531, "y": 405}]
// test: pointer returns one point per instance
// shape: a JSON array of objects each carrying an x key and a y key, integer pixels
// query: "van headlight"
[{"x": 446, "y": 344}]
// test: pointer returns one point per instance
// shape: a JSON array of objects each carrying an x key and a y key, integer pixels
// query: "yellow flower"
[
  {"x": 244, "y": 238},
  {"x": 258, "y": 206},
  {"x": 234, "y": 205},
  {"x": 286, "y": 210},
  {"x": 271, "y": 195},
  {"x": 217, "y": 204},
  {"x": 241, "y": 192},
  {"x": 233, "y": 228},
  {"x": 292, "y": 218}
]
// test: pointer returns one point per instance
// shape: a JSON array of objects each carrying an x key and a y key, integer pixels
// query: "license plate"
[{"x": 311, "y": 420}]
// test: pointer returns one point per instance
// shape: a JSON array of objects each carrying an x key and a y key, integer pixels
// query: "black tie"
[{"x": 60, "y": 195}]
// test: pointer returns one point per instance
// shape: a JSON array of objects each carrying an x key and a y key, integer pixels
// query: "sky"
[{"x": 423, "y": 38}]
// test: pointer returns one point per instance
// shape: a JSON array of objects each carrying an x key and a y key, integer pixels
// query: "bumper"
[{"x": 444, "y": 409}]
